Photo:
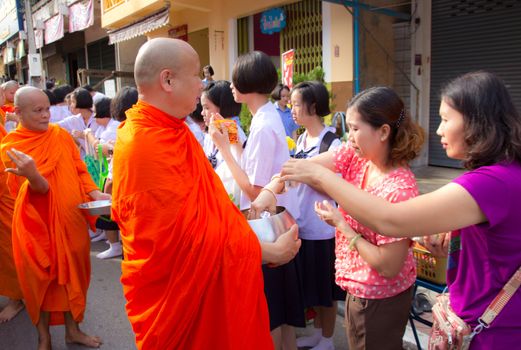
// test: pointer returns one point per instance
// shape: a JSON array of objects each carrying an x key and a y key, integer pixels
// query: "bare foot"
[
  {"x": 44, "y": 344},
  {"x": 78, "y": 337},
  {"x": 12, "y": 308}
]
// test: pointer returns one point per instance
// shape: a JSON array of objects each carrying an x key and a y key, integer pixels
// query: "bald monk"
[
  {"x": 9, "y": 88},
  {"x": 9, "y": 286},
  {"x": 50, "y": 239},
  {"x": 6, "y": 115},
  {"x": 192, "y": 269}
]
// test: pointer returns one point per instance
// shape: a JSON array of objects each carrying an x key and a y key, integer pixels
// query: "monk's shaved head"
[
  {"x": 10, "y": 85},
  {"x": 159, "y": 54},
  {"x": 26, "y": 95},
  {"x": 32, "y": 107}
]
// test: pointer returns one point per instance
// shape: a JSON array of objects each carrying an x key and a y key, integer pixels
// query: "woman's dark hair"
[
  {"x": 220, "y": 94},
  {"x": 50, "y": 95},
  {"x": 83, "y": 98},
  {"x": 210, "y": 69},
  {"x": 491, "y": 122},
  {"x": 103, "y": 107},
  {"x": 314, "y": 96},
  {"x": 381, "y": 105},
  {"x": 196, "y": 114},
  {"x": 254, "y": 72},
  {"x": 61, "y": 91},
  {"x": 275, "y": 94},
  {"x": 124, "y": 99}
]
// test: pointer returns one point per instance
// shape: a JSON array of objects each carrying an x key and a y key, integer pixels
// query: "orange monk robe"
[
  {"x": 8, "y": 107},
  {"x": 9, "y": 286},
  {"x": 2, "y": 118},
  {"x": 51, "y": 245},
  {"x": 192, "y": 270}
]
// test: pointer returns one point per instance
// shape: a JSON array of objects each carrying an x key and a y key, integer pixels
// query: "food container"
[
  {"x": 97, "y": 207},
  {"x": 428, "y": 267},
  {"x": 268, "y": 229},
  {"x": 230, "y": 126}
]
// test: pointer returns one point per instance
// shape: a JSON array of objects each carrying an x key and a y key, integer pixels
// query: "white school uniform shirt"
[
  {"x": 265, "y": 152},
  {"x": 210, "y": 149},
  {"x": 58, "y": 113},
  {"x": 76, "y": 122},
  {"x": 107, "y": 133},
  {"x": 310, "y": 226},
  {"x": 196, "y": 130}
]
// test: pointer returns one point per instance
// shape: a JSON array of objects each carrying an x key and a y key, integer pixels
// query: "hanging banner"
[
  {"x": 287, "y": 67},
  {"x": 38, "y": 38},
  {"x": 53, "y": 29},
  {"x": 81, "y": 16}
]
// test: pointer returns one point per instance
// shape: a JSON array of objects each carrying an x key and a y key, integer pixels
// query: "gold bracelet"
[
  {"x": 270, "y": 191},
  {"x": 353, "y": 241}
]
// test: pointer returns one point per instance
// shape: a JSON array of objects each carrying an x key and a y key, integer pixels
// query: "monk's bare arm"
[
  {"x": 26, "y": 167},
  {"x": 283, "y": 250}
]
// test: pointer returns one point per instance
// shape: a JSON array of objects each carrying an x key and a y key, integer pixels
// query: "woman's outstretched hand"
[{"x": 304, "y": 171}]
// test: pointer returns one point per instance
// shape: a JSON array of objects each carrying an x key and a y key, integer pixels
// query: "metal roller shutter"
[{"x": 467, "y": 36}]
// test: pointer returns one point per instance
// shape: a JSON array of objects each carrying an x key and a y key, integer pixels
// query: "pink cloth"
[{"x": 353, "y": 273}]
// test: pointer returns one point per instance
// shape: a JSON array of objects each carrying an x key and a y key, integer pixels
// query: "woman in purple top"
[{"x": 480, "y": 126}]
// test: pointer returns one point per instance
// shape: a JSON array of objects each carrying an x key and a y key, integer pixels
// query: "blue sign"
[{"x": 273, "y": 21}]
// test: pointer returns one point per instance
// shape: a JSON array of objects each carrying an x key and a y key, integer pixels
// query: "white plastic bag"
[{"x": 230, "y": 185}]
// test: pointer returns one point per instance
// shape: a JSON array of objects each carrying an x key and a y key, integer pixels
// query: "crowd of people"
[{"x": 182, "y": 188}]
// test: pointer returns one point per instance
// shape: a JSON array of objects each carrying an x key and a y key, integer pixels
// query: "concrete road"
[{"x": 105, "y": 315}]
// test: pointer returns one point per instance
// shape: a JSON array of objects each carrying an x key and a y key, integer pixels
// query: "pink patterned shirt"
[{"x": 353, "y": 273}]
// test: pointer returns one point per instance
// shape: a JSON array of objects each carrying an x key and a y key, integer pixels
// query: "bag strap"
[
  {"x": 499, "y": 302},
  {"x": 326, "y": 142}
]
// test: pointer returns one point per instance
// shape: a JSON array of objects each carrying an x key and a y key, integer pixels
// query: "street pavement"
[{"x": 105, "y": 315}]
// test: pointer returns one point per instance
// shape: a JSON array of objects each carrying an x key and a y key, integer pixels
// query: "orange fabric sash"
[
  {"x": 9, "y": 285},
  {"x": 192, "y": 270},
  {"x": 50, "y": 241}
]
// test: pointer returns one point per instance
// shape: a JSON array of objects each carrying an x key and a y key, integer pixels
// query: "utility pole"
[{"x": 35, "y": 63}]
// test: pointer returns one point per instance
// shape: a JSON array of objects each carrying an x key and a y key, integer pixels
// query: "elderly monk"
[
  {"x": 9, "y": 87},
  {"x": 9, "y": 286},
  {"x": 192, "y": 270},
  {"x": 9, "y": 115},
  {"x": 50, "y": 239}
]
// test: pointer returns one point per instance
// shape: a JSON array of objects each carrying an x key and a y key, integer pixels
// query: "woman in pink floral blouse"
[{"x": 376, "y": 271}]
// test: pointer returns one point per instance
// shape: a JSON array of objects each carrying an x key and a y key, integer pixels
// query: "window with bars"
[
  {"x": 303, "y": 33},
  {"x": 242, "y": 35}
]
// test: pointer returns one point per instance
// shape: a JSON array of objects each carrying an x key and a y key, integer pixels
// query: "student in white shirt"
[
  {"x": 254, "y": 78},
  {"x": 83, "y": 118},
  {"x": 60, "y": 110}
]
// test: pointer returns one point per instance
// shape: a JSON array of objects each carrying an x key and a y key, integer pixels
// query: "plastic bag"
[{"x": 230, "y": 185}]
